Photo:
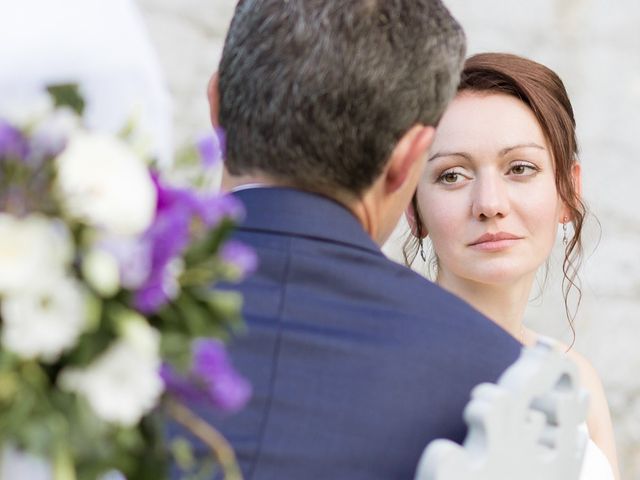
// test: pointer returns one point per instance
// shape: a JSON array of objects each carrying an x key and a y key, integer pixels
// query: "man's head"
[{"x": 318, "y": 94}]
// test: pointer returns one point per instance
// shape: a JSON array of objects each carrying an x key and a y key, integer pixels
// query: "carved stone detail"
[{"x": 529, "y": 426}]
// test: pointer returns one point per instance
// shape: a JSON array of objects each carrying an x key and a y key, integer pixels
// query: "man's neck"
[{"x": 361, "y": 208}]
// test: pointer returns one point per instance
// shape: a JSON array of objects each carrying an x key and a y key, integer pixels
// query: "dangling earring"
[
  {"x": 565, "y": 240},
  {"x": 423, "y": 255}
]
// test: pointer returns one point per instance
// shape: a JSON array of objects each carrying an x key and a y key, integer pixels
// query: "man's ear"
[
  {"x": 412, "y": 220},
  {"x": 213, "y": 95},
  {"x": 408, "y": 158}
]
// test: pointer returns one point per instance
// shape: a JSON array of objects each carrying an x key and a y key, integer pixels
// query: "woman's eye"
[
  {"x": 451, "y": 177},
  {"x": 454, "y": 176},
  {"x": 523, "y": 169}
]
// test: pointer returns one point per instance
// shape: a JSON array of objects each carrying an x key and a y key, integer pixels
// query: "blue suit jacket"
[{"x": 356, "y": 362}]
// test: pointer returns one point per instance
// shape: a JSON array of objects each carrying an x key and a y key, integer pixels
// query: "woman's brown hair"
[{"x": 544, "y": 93}]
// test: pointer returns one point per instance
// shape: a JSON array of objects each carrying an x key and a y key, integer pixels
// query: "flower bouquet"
[{"x": 109, "y": 318}]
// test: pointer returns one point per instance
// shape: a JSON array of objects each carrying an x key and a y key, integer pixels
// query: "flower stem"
[
  {"x": 63, "y": 467},
  {"x": 209, "y": 435}
]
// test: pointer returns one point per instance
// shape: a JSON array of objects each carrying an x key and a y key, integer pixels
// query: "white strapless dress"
[{"x": 595, "y": 465}]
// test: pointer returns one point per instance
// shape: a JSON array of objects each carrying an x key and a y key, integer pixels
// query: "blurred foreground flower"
[
  {"x": 113, "y": 190},
  {"x": 31, "y": 248},
  {"x": 12, "y": 143},
  {"x": 212, "y": 148},
  {"x": 123, "y": 383},
  {"x": 240, "y": 258},
  {"x": 45, "y": 319},
  {"x": 108, "y": 302},
  {"x": 211, "y": 379}
]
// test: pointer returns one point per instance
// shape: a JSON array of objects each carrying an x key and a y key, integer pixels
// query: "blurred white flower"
[
  {"x": 44, "y": 320},
  {"x": 135, "y": 329},
  {"x": 133, "y": 255},
  {"x": 105, "y": 184},
  {"x": 102, "y": 272},
  {"x": 50, "y": 135},
  {"x": 171, "y": 276},
  {"x": 123, "y": 383},
  {"x": 19, "y": 464},
  {"x": 31, "y": 249},
  {"x": 23, "y": 106},
  {"x": 113, "y": 475}
]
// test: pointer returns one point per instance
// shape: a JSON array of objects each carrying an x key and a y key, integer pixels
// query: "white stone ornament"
[{"x": 528, "y": 426}]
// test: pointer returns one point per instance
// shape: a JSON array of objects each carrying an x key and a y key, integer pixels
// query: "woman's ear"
[
  {"x": 418, "y": 229},
  {"x": 576, "y": 177},
  {"x": 576, "y": 180}
]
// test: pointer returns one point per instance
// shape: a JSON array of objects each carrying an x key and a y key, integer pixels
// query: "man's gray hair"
[{"x": 316, "y": 93}]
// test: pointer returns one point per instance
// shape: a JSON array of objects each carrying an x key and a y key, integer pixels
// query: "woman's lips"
[{"x": 493, "y": 242}]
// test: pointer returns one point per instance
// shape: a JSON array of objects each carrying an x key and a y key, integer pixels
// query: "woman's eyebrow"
[
  {"x": 506, "y": 150},
  {"x": 450, "y": 154},
  {"x": 502, "y": 152}
]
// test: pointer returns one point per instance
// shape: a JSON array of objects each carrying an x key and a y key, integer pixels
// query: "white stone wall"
[
  {"x": 188, "y": 35},
  {"x": 594, "y": 45}
]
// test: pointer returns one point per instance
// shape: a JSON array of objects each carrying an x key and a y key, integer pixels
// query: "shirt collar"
[{"x": 248, "y": 186}]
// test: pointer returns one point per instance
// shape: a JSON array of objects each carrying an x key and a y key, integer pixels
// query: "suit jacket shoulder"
[{"x": 356, "y": 362}]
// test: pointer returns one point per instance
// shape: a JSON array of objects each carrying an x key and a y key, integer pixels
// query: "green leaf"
[
  {"x": 94, "y": 312},
  {"x": 175, "y": 347},
  {"x": 9, "y": 387},
  {"x": 67, "y": 95},
  {"x": 183, "y": 453},
  {"x": 90, "y": 346},
  {"x": 195, "y": 315},
  {"x": 207, "y": 247},
  {"x": 226, "y": 305}
]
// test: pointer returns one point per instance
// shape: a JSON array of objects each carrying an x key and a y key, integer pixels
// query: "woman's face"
[{"x": 488, "y": 197}]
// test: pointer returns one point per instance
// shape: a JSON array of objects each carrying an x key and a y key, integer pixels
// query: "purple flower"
[
  {"x": 179, "y": 386},
  {"x": 213, "y": 208},
  {"x": 153, "y": 295},
  {"x": 222, "y": 140},
  {"x": 133, "y": 256},
  {"x": 224, "y": 386},
  {"x": 211, "y": 148},
  {"x": 12, "y": 143},
  {"x": 169, "y": 236},
  {"x": 211, "y": 379},
  {"x": 51, "y": 137},
  {"x": 242, "y": 258}
]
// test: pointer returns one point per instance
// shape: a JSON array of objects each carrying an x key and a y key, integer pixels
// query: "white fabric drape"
[{"x": 101, "y": 45}]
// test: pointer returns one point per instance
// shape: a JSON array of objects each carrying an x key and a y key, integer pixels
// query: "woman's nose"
[{"x": 490, "y": 197}]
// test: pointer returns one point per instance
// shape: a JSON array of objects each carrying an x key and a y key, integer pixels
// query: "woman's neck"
[{"x": 503, "y": 303}]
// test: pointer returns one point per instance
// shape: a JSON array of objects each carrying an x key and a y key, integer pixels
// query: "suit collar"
[{"x": 296, "y": 212}]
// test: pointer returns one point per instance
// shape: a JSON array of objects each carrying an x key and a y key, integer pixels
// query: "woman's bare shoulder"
[{"x": 598, "y": 416}]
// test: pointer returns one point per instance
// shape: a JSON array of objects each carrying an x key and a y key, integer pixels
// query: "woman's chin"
[{"x": 500, "y": 275}]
